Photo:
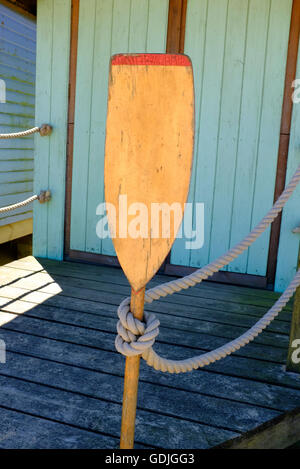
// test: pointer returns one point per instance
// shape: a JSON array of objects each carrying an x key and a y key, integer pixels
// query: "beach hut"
[
  {"x": 244, "y": 55},
  {"x": 246, "y": 66}
]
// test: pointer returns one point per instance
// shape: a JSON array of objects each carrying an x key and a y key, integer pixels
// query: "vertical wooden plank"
[
  {"x": 59, "y": 119},
  {"x": 195, "y": 47},
  {"x": 95, "y": 154},
  {"x": 295, "y": 331},
  {"x": 208, "y": 125},
  {"x": 183, "y": 26},
  {"x": 157, "y": 26},
  {"x": 286, "y": 118},
  {"x": 138, "y": 25},
  {"x": 287, "y": 107},
  {"x": 120, "y": 27},
  {"x": 71, "y": 117},
  {"x": 51, "y": 106},
  {"x": 85, "y": 59},
  {"x": 270, "y": 129},
  {"x": 289, "y": 241},
  {"x": 229, "y": 127},
  {"x": 249, "y": 125},
  {"x": 42, "y": 114},
  {"x": 174, "y": 26},
  {"x": 120, "y": 38}
]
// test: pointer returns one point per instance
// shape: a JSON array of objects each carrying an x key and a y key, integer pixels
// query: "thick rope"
[
  {"x": 43, "y": 197},
  {"x": 19, "y": 204},
  {"x": 135, "y": 338},
  {"x": 44, "y": 131},
  {"x": 34, "y": 130}
]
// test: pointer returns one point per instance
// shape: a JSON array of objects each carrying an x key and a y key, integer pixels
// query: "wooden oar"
[{"x": 148, "y": 159}]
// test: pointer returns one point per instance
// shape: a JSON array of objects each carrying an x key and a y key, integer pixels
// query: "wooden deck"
[{"x": 61, "y": 386}]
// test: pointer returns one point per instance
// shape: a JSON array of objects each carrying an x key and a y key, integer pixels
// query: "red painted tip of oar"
[{"x": 152, "y": 59}]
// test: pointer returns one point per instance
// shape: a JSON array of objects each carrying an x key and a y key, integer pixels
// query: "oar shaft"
[{"x": 131, "y": 381}]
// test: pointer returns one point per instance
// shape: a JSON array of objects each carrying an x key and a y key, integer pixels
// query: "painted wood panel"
[
  {"x": 17, "y": 70},
  {"x": 290, "y": 242},
  {"x": 53, "y": 45},
  {"x": 106, "y": 27},
  {"x": 238, "y": 49}
]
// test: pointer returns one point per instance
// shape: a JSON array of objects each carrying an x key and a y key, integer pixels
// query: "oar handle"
[{"x": 131, "y": 379}]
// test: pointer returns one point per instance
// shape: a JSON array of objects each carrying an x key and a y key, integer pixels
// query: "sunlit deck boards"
[{"x": 61, "y": 386}]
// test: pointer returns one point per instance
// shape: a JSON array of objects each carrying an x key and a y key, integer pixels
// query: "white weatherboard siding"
[{"x": 17, "y": 72}]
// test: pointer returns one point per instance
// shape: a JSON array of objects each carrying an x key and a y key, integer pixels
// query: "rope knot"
[{"x": 135, "y": 336}]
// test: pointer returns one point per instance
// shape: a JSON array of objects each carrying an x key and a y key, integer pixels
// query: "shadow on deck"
[{"x": 61, "y": 386}]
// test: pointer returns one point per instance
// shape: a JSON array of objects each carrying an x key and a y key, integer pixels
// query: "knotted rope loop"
[{"x": 135, "y": 336}]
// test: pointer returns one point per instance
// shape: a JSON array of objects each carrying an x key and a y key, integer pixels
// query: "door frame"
[{"x": 175, "y": 44}]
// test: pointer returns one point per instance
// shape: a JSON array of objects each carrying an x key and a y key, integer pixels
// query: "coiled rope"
[
  {"x": 137, "y": 338},
  {"x": 45, "y": 130}
]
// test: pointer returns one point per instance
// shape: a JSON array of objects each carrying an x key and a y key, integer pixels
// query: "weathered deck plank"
[
  {"x": 62, "y": 372},
  {"x": 248, "y": 309},
  {"x": 46, "y": 434},
  {"x": 85, "y": 300}
]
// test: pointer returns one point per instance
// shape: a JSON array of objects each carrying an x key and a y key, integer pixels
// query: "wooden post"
[
  {"x": 131, "y": 380},
  {"x": 295, "y": 332}
]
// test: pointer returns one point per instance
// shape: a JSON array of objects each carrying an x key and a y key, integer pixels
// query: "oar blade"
[{"x": 148, "y": 156}]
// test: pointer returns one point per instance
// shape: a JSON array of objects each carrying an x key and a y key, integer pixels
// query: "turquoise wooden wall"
[
  {"x": 289, "y": 242},
  {"x": 238, "y": 49},
  {"x": 106, "y": 27},
  {"x": 17, "y": 70},
  {"x": 52, "y": 79}
]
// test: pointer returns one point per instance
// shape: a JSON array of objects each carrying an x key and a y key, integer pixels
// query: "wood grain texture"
[
  {"x": 71, "y": 117},
  {"x": 145, "y": 153},
  {"x": 176, "y": 26},
  {"x": 131, "y": 379},
  {"x": 280, "y": 433}
]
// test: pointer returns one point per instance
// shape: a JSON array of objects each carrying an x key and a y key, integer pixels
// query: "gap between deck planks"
[{"x": 73, "y": 338}]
